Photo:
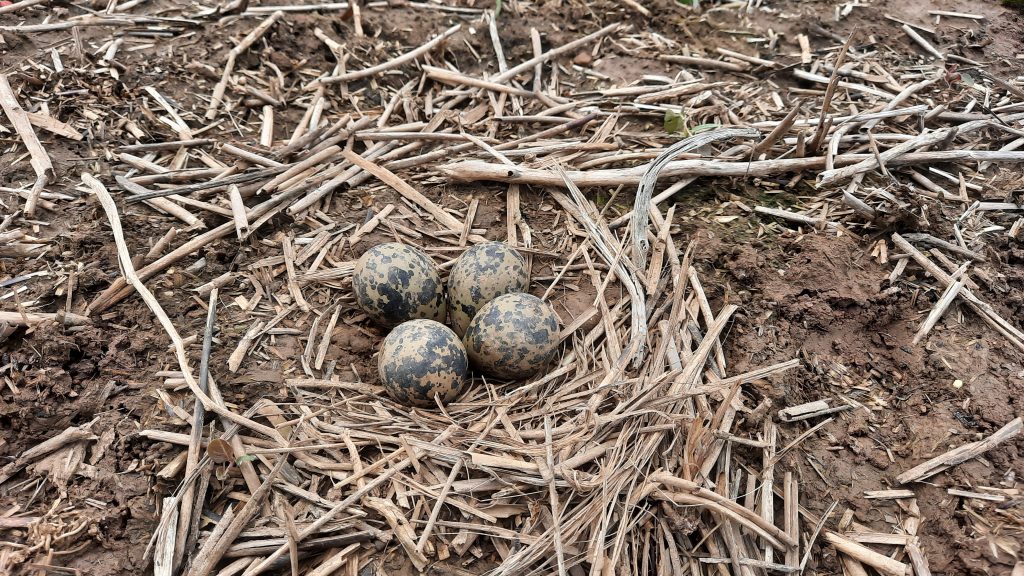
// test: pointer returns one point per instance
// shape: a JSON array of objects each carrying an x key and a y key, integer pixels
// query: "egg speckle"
[
  {"x": 512, "y": 336},
  {"x": 481, "y": 274},
  {"x": 421, "y": 360},
  {"x": 394, "y": 283}
]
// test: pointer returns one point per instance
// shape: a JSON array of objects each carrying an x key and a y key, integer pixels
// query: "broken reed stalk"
[
  {"x": 69, "y": 436},
  {"x": 233, "y": 54},
  {"x": 645, "y": 190},
  {"x": 961, "y": 454},
  {"x": 902, "y": 150},
  {"x": 34, "y": 318},
  {"x": 410, "y": 193},
  {"x": 823, "y": 119},
  {"x": 952, "y": 291},
  {"x": 884, "y": 564},
  {"x": 19, "y": 6},
  {"x": 477, "y": 170},
  {"x": 777, "y": 133},
  {"x": 691, "y": 493},
  {"x": 120, "y": 290},
  {"x": 187, "y": 525},
  {"x": 214, "y": 548},
  {"x": 705, "y": 63},
  {"x": 260, "y": 567},
  {"x": 983, "y": 309},
  {"x": 922, "y": 42},
  {"x": 553, "y": 53},
  {"x": 40, "y": 160}
]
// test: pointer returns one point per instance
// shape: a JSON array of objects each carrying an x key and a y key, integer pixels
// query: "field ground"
[{"x": 826, "y": 295}]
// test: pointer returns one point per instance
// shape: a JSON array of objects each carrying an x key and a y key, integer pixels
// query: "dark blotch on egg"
[
  {"x": 421, "y": 359},
  {"x": 394, "y": 283},
  {"x": 512, "y": 336}
]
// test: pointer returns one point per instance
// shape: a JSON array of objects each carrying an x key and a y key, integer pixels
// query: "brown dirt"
[
  {"x": 822, "y": 299},
  {"x": 819, "y": 298}
]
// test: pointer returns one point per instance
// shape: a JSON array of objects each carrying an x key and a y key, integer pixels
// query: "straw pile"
[
  {"x": 626, "y": 454},
  {"x": 592, "y": 463}
]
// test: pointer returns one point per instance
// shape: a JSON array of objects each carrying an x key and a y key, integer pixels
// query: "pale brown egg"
[
  {"x": 422, "y": 360},
  {"x": 394, "y": 283},
  {"x": 512, "y": 336}
]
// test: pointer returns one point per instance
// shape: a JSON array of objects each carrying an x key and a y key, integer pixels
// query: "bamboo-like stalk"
[
  {"x": 40, "y": 159},
  {"x": 475, "y": 170}
]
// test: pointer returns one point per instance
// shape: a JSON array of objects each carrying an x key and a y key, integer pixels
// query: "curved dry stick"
[
  {"x": 682, "y": 489},
  {"x": 393, "y": 63},
  {"x": 633, "y": 286},
  {"x": 128, "y": 269},
  {"x": 648, "y": 181}
]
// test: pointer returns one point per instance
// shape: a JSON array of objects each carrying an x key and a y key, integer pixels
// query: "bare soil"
[{"x": 820, "y": 298}]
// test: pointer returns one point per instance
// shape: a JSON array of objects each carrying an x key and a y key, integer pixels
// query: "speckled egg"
[
  {"x": 394, "y": 283},
  {"x": 421, "y": 359},
  {"x": 480, "y": 275},
  {"x": 512, "y": 336}
]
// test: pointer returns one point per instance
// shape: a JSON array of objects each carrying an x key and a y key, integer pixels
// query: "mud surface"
[{"x": 816, "y": 297}]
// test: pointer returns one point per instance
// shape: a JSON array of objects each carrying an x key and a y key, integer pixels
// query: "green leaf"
[
  {"x": 674, "y": 122},
  {"x": 703, "y": 128},
  {"x": 243, "y": 459},
  {"x": 685, "y": 2},
  {"x": 497, "y": 8},
  {"x": 967, "y": 79}
]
